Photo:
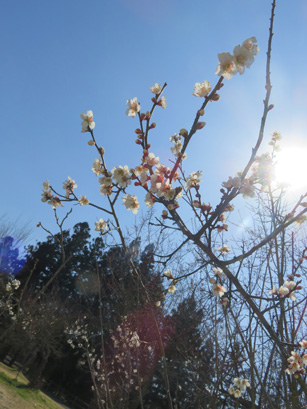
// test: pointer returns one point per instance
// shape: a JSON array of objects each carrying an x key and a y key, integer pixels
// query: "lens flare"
[{"x": 291, "y": 167}]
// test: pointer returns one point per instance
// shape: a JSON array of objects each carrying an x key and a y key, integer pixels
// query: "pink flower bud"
[
  {"x": 215, "y": 97},
  {"x": 183, "y": 132},
  {"x": 200, "y": 125}
]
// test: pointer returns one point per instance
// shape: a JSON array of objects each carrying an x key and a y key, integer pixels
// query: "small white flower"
[
  {"x": 133, "y": 107},
  {"x": 202, "y": 89},
  {"x": 149, "y": 199},
  {"x": 83, "y": 201},
  {"x": 156, "y": 89},
  {"x": 101, "y": 225},
  {"x": 131, "y": 203},
  {"x": 171, "y": 289},
  {"x": 224, "y": 249},
  {"x": 46, "y": 185},
  {"x": 88, "y": 123},
  {"x": 193, "y": 179},
  {"x": 69, "y": 185},
  {"x": 98, "y": 168},
  {"x": 218, "y": 290},
  {"x": 303, "y": 344},
  {"x": 16, "y": 284},
  {"x": 218, "y": 272},
  {"x": 122, "y": 175},
  {"x": 135, "y": 340},
  {"x": 151, "y": 159},
  {"x": 227, "y": 66},
  {"x": 167, "y": 273},
  {"x": 162, "y": 102}
]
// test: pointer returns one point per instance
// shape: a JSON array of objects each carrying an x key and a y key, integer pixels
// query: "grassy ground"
[{"x": 15, "y": 395}]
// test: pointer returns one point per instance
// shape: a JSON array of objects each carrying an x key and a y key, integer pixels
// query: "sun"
[{"x": 291, "y": 167}]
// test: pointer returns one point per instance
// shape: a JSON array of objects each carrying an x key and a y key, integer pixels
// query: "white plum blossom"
[
  {"x": 230, "y": 65},
  {"x": 149, "y": 199},
  {"x": 240, "y": 386},
  {"x": 156, "y": 89},
  {"x": 202, "y": 89},
  {"x": 135, "y": 340},
  {"x": 303, "y": 344},
  {"x": 101, "y": 225},
  {"x": 143, "y": 178},
  {"x": 176, "y": 149},
  {"x": 139, "y": 169},
  {"x": 151, "y": 159},
  {"x": 16, "y": 283},
  {"x": 227, "y": 66},
  {"x": 166, "y": 190},
  {"x": 69, "y": 185},
  {"x": 247, "y": 189},
  {"x": 245, "y": 54},
  {"x": 87, "y": 121},
  {"x": 122, "y": 175},
  {"x": 241, "y": 383},
  {"x": 131, "y": 203},
  {"x": 106, "y": 184},
  {"x": 83, "y": 201},
  {"x": 218, "y": 290},
  {"x": 218, "y": 272},
  {"x": 162, "y": 169},
  {"x": 46, "y": 196},
  {"x": 231, "y": 390},
  {"x": 175, "y": 138},
  {"x": 224, "y": 301},
  {"x": 133, "y": 107},
  {"x": 46, "y": 185},
  {"x": 283, "y": 291},
  {"x": 232, "y": 182},
  {"x": 98, "y": 168},
  {"x": 224, "y": 249},
  {"x": 193, "y": 179},
  {"x": 162, "y": 102},
  {"x": 171, "y": 289},
  {"x": 156, "y": 183},
  {"x": 168, "y": 273},
  {"x": 276, "y": 136}
]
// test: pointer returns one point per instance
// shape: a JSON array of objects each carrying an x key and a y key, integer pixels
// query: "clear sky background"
[{"x": 64, "y": 57}]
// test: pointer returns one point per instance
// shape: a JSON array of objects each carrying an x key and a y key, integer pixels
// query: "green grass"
[{"x": 14, "y": 392}]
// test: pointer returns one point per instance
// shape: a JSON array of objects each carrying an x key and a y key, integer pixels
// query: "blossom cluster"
[
  {"x": 69, "y": 185},
  {"x": 239, "y": 386},
  {"x": 243, "y": 56},
  {"x": 286, "y": 290},
  {"x": 168, "y": 274},
  {"x": 297, "y": 361},
  {"x": 246, "y": 186},
  {"x": 12, "y": 285},
  {"x": 101, "y": 226},
  {"x": 47, "y": 196},
  {"x": 218, "y": 290}
]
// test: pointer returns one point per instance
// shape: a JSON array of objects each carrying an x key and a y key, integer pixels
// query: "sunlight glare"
[{"x": 291, "y": 167}]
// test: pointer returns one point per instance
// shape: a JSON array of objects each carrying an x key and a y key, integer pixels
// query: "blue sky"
[{"x": 64, "y": 57}]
